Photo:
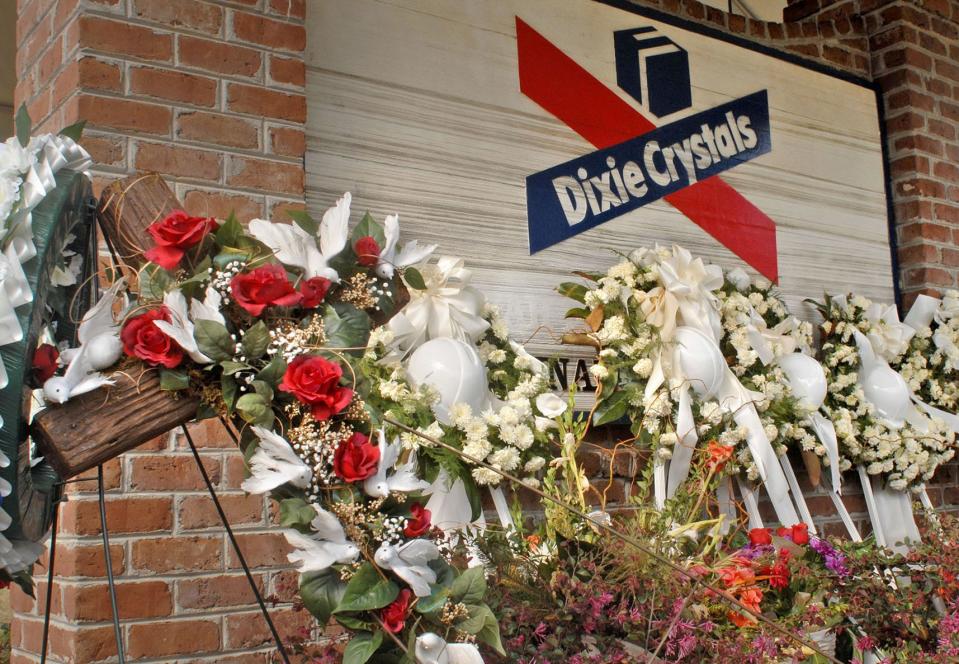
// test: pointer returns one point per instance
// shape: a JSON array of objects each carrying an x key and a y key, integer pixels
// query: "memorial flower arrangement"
[
  {"x": 294, "y": 333},
  {"x": 931, "y": 363},
  {"x": 758, "y": 331},
  {"x": 885, "y": 438}
]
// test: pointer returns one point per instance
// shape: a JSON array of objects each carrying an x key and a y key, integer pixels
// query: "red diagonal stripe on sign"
[{"x": 554, "y": 81}]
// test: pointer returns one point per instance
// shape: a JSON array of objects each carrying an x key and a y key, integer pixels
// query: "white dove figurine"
[
  {"x": 180, "y": 327},
  {"x": 100, "y": 347},
  {"x": 409, "y": 562},
  {"x": 432, "y": 649},
  {"x": 275, "y": 463},
  {"x": 294, "y": 246},
  {"x": 404, "y": 480},
  {"x": 391, "y": 257},
  {"x": 209, "y": 307},
  {"x": 329, "y": 546}
]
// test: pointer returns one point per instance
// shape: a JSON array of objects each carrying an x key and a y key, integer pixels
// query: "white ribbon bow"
[
  {"x": 692, "y": 282},
  {"x": 447, "y": 307}
]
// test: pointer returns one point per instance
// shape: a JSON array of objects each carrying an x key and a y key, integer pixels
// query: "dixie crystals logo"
[{"x": 637, "y": 162}]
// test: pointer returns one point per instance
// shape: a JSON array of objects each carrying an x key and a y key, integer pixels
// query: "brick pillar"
[{"x": 211, "y": 94}]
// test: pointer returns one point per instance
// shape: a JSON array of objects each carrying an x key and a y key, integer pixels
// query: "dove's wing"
[
  {"x": 412, "y": 253},
  {"x": 391, "y": 235},
  {"x": 418, "y": 577},
  {"x": 209, "y": 308},
  {"x": 388, "y": 453},
  {"x": 418, "y": 552},
  {"x": 327, "y": 526},
  {"x": 308, "y": 554},
  {"x": 463, "y": 653},
  {"x": 180, "y": 327},
  {"x": 333, "y": 227},
  {"x": 99, "y": 318},
  {"x": 275, "y": 463},
  {"x": 405, "y": 479},
  {"x": 291, "y": 245},
  {"x": 78, "y": 370}
]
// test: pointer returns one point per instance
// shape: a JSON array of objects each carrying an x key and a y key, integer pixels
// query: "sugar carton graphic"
[{"x": 653, "y": 70}]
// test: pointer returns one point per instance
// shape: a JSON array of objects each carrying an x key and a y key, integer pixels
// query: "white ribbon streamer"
[
  {"x": 502, "y": 509},
  {"x": 797, "y": 492},
  {"x": 843, "y": 512},
  {"x": 751, "y": 503},
  {"x": 825, "y": 430}
]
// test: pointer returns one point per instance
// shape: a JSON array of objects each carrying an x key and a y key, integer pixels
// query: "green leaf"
[
  {"x": 272, "y": 373},
  {"x": 230, "y": 367},
  {"x": 572, "y": 290},
  {"x": 435, "y": 601},
  {"x": 173, "y": 380},
  {"x": 489, "y": 634},
  {"x": 229, "y": 232},
  {"x": 22, "y": 124},
  {"x": 479, "y": 614},
  {"x": 611, "y": 408},
  {"x": 368, "y": 226},
  {"x": 470, "y": 586},
  {"x": 229, "y": 254},
  {"x": 229, "y": 388},
  {"x": 154, "y": 282},
  {"x": 254, "y": 409},
  {"x": 303, "y": 219},
  {"x": 255, "y": 341},
  {"x": 296, "y": 512},
  {"x": 214, "y": 340},
  {"x": 414, "y": 279},
  {"x": 263, "y": 389},
  {"x": 577, "y": 312},
  {"x": 354, "y": 623},
  {"x": 473, "y": 494},
  {"x": 346, "y": 326},
  {"x": 361, "y": 647},
  {"x": 74, "y": 131},
  {"x": 367, "y": 590},
  {"x": 200, "y": 273},
  {"x": 321, "y": 592}
]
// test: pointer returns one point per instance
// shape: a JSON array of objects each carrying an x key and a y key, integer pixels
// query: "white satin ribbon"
[
  {"x": 889, "y": 336},
  {"x": 502, "y": 509},
  {"x": 692, "y": 283},
  {"x": 825, "y": 430},
  {"x": 797, "y": 492},
  {"x": 769, "y": 343},
  {"x": 751, "y": 503},
  {"x": 843, "y": 512},
  {"x": 448, "y": 307},
  {"x": 724, "y": 498},
  {"x": 682, "y": 456}
]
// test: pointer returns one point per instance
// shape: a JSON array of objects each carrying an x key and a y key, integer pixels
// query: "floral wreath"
[
  {"x": 904, "y": 448},
  {"x": 656, "y": 319},
  {"x": 295, "y": 334},
  {"x": 931, "y": 363}
]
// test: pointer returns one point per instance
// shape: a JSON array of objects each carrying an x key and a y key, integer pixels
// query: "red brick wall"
[{"x": 210, "y": 93}]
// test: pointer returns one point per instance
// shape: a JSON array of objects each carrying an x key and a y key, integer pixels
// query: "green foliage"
[
  {"x": 367, "y": 590},
  {"x": 255, "y": 409},
  {"x": 296, "y": 513},
  {"x": 255, "y": 341},
  {"x": 173, "y": 380},
  {"x": 572, "y": 290},
  {"x": 214, "y": 340},
  {"x": 361, "y": 647},
  {"x": 414, "y": 279},
  {"x": 303, "y": 219},
  {"x": 369, "y": 227},
  {"x": 23, "y": 124},
  {"x": 346, "y": 327},
  {"x": 321, "y": 592},
  {"x": 74, "y": 131}
]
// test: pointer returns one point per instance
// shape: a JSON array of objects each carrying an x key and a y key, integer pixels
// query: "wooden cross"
[{"x": 92, "y": 428}]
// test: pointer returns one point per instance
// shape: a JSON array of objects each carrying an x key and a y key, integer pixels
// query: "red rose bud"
[
  {"x": 367, "y": 251},
  {"x": 783, "y": 531},
  {"x": 314, "y": 291},
  {"x": 394, "y": 615},
  {"x": 356, "y": 459},
  {"x": 315, "y": 381},
  {"x": 268, "y": 285},
  {"x": 44, "y": 363},
  {"x": 800, "y": 534},
  {"x": 173, "y": 235},
  {"x": 144, "y": 340},
  {"x": 419, "y": 523},
  {"x": 760, "y": 537}
]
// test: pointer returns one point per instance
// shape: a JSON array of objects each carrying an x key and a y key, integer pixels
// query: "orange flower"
[
  {"x": 751, "y": 598},
  {"x": 737, "y": 576},
  {"x": 533, "y": 541},
  {"x": 718, "y": 455}
]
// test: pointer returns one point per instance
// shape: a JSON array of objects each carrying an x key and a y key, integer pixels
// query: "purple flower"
[{"x": 834, "y": 560}]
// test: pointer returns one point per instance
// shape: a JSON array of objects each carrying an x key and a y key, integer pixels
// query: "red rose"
[
  {"x": 316, "y": 382},
  {"x": 367, "y": 251},
  {"x": 419, "y": 522},
  {"x": 259, "y": 288},
  {"x": 44, "y": 362},
  {"x": 356, "y": 459},
  {"x": 800, "y": 534},
  {"x": 174, "y": 235},
  {"x": 142, "y": 339},
  {"x": 783, "y": 531},
  {"x": 760, "y": 537},
  {"x": 394, "y": 615},
  {"x": 314, "y": 290}
]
